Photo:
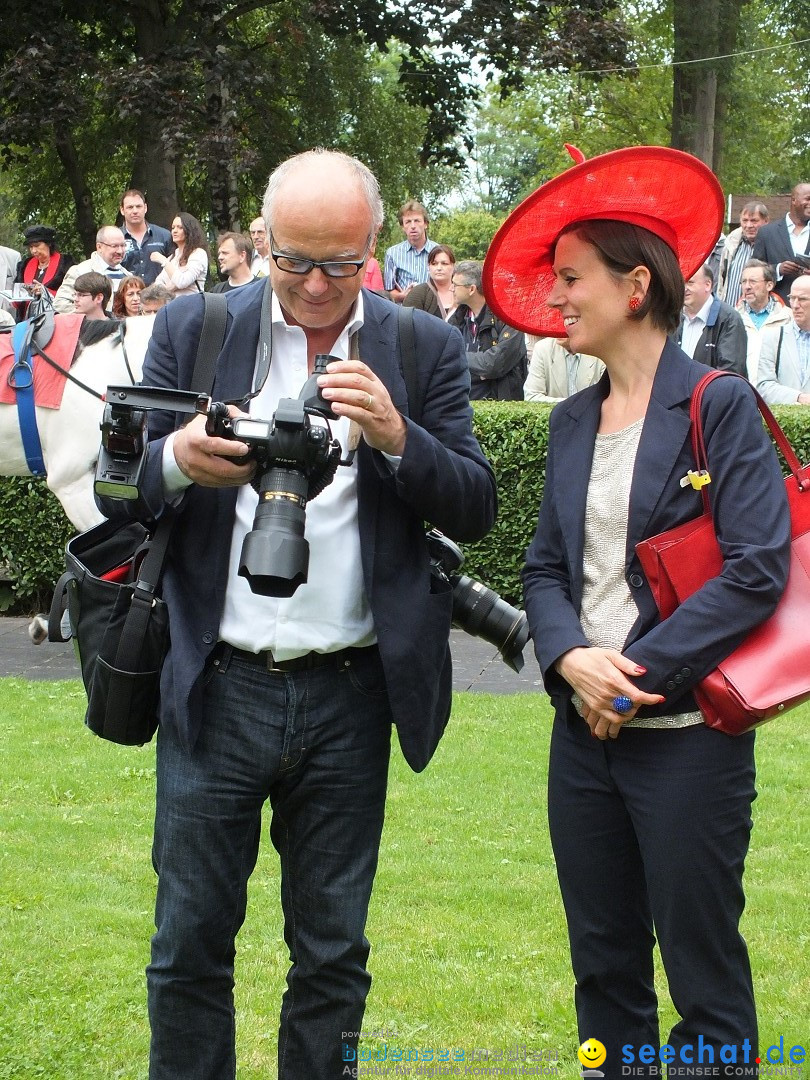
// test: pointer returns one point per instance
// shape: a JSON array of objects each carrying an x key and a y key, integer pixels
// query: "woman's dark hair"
[
  {"x": 52, "y": 245},
  {"x": 195, "y": 237},
  {"x": 441, "y": 249},
  {"x": 621, "y": 247},
  {"x": 119, "y": 308}
]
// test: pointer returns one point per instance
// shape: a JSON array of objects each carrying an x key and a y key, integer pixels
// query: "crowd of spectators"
[{"x": 742, "y": 302}]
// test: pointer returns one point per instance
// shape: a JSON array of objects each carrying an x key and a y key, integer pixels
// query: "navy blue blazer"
[
  {"x": 750, "y": 510},
  {"x": 773, "y": 246},
  {"x": 443, "y": 478}
]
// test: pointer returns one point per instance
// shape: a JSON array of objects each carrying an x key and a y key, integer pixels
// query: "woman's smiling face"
[{"x": 592, "y": 301}]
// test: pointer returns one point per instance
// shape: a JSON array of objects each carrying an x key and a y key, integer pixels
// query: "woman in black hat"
[{"x": 44, "y": 266}]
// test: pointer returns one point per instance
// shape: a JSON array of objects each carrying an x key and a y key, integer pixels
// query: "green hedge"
[
  {"x": 514, "y": 435},
  {"x": 33, "y": 534}
]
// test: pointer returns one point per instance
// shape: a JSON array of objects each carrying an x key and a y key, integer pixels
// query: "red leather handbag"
[{"x": 770, "y": 672}]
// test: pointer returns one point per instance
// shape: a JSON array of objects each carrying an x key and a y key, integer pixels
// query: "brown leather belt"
[{"x": 265, "y": 659}]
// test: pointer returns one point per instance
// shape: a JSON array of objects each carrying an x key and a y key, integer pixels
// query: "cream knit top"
[{"x": 608, "y": 607}]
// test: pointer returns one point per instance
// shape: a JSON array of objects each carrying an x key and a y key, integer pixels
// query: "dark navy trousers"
[{"x": 650, "y": 833}]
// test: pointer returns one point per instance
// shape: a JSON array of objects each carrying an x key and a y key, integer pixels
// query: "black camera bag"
[{"x": 119, "y": 624}]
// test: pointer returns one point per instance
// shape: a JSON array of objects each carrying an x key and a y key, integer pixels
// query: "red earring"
[{"x": 634, "y": 303}]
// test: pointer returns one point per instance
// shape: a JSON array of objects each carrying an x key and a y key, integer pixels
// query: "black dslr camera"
[
  {"x": 295, "y": 460},
  {"x": 477, "y": 610}
]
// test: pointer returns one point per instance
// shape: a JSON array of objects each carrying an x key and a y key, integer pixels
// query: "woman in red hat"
[{"x": 649, "y": 809}]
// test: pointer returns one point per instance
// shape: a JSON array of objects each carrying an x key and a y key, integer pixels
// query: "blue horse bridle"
[
  {"x": 21, "y": 379},
  {"x": 28, "y": 341}
]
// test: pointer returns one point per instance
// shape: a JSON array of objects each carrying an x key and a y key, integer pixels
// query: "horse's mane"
[{"x": 94, "y": 330}]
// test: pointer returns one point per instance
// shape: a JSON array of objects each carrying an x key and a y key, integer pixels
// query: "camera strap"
[
  {"x": 264, "y": 356},
  {"x": 264, "y": 351},
  {"x": 355, "y": 431}
]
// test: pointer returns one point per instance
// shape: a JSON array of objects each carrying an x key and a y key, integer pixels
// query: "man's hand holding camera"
[
  {"x": 209, "y": 460},
  {"x": 352, "y": 389}
]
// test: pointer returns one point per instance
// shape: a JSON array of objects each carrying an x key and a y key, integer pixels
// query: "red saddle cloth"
[{"x": 49, "y": 384}]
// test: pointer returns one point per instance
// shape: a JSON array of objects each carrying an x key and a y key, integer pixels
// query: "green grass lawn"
[{"x": 466, "y": 926}]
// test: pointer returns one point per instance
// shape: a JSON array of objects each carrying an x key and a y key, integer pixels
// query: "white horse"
[{"x": 70, "y": 435}]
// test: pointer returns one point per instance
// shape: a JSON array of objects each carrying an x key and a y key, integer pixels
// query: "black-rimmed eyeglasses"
[{"x": 337, "y": 268}]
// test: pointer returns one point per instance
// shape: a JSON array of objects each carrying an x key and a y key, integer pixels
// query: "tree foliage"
[
  {"x": 761, "y": 129},
  {"x": 197, "y": 100},
  {"x": 468, "y": 232}
]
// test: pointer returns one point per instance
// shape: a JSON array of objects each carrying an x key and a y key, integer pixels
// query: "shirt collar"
[
  {"x": 765, "y": 311},
  {"x": 791, "y": 225},
  {"x": 127, "y": 233},
  {"x": 703, "y": 314}
]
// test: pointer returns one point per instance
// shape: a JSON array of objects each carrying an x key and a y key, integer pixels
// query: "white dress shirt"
[
  {"x": 694, "y": 327},
  {"x": 331, "y": 610},
  {"x": 798, "y": 239}
]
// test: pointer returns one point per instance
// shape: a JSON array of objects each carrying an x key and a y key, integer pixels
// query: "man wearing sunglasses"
[{"x": 291, "y": 700}]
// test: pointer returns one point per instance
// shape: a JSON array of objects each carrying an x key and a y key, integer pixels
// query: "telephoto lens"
[
  {"x": 481, "y": 612},
  {"x": 275, "y": 553},
  {"x": 477, "y": 610}
]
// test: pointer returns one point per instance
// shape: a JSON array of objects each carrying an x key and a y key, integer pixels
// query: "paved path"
[{"x": 473, "y": 665}]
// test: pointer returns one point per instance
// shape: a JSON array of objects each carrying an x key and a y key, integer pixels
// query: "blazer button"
[
  {"x": 636, "y": 580},
  {"x": 671, "y": 685},
  {"x": 686, "y": 672},
  {"x": 679, "y": 678},
  {"x": 207, "y": 637}
]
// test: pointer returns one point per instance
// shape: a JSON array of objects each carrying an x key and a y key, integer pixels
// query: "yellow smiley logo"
[{"x": 592, "y": 1053}]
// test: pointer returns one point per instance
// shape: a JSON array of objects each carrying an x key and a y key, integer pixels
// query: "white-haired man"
[
  {"x": 784, "y": 359},
  {"x": 290, "y": 698},
  {"x": 760, "y": 308}
]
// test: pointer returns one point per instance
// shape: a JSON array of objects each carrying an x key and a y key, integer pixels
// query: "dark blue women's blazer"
[{"x": 750, "y": 510}]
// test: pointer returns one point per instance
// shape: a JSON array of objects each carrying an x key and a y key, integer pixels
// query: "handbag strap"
[{"x": 800, "y": 472}]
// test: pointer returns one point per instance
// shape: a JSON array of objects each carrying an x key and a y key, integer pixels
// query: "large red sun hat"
[{"x": 666, "y": 191}]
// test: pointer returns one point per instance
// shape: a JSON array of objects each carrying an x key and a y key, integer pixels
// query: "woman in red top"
[{"x": 44, "y": 266}]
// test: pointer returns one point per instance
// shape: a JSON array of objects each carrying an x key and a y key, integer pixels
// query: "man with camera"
[{"x": 291, "y": 698}]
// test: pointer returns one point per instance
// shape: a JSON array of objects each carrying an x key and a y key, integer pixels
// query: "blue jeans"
[{"x": 316, "y": 744}]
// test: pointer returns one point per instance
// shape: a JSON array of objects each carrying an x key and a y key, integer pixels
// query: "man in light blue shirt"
[{"x": 406, "y": 264}]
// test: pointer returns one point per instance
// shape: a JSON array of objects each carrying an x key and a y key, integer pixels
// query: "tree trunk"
[
  {"x": 694, "y": 86},
  {"x": 82, "y": 196},
  {"x": 730, "y": 16},
  {"x": 153, "y": 172},
  {"x": 153, "y": 169},
  {"x": 222, "y": 181}
]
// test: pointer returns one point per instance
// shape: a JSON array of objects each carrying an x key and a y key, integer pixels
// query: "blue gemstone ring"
[{"x": 622, "y": 704}]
